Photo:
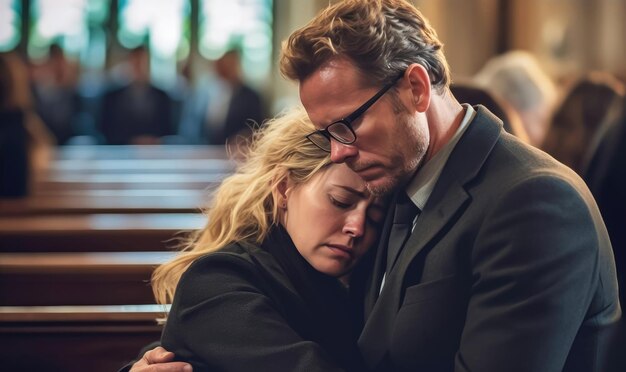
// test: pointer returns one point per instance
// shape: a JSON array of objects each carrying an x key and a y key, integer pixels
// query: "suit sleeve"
[
  {"x": 534, "y": 271},
  {"x": 222, "y": 320}
]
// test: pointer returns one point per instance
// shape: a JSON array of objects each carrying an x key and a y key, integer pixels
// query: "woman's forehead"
[{"x": 342, "y": 175}]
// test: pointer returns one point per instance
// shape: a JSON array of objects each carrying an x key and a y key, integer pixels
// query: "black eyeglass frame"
[{"x": 348, "y": 120}]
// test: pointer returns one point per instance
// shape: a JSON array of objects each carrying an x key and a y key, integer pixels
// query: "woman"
[{"x": 257, "y": 287}]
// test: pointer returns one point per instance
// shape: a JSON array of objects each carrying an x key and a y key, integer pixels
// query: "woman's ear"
[{"x": 282, "y": 191}]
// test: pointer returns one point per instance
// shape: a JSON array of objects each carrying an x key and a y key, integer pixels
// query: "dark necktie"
[{"x": 402, "y": 225}]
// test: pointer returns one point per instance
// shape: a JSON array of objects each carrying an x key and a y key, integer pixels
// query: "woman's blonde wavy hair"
[{"x": 245, "y": 204}]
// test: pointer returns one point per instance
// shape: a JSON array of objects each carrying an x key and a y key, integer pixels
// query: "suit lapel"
[
  {"x": 449, "y": 194},
  {"x": 449, "y": 197},
  {"x": 432, "y": 220}
]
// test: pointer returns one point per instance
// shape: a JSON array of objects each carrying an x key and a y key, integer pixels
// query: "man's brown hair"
[{"x": 381, "y": 37}]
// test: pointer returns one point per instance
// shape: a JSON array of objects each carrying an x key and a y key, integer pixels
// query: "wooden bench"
[
  {"x": 107, "y": 201},
  {"x": 75, "y": 338},
  {"x": 95, "y": 232},
  {"x": 170, "y": 167},
  {"x": 135, "y": 181},
  {"x": 121, "y": 166},
  {"x": 97, "y": 152},
  {"x": 106, "y": 278}
]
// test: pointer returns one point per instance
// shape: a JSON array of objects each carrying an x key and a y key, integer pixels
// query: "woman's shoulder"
[
  {"x": 240, "y": 254},
  {"x": 235, "y": 263},
  {"x": 236, "y": 268}
]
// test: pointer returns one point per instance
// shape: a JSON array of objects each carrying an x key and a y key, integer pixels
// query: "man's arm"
[
  {"x": 158, "y": 360},
  {"x": 539, "y": 260}
]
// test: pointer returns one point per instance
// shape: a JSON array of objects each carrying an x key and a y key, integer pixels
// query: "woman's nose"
[{"x": 355, "y": 225}]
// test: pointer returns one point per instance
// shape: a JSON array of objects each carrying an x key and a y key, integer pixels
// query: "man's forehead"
[
  {"x": 334, "y": 68},
  {"x": 331, "y": 92}
]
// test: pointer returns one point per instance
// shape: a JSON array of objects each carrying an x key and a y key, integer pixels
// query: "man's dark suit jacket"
[{"x": 509, "y": 268}]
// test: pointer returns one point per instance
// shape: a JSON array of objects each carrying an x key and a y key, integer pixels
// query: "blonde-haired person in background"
[
  {"x": 517, "y": 78},
  {"x": 258, "y": 286}
]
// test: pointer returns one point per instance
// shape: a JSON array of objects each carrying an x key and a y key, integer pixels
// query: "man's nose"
[{"x": 339, "y": 152}]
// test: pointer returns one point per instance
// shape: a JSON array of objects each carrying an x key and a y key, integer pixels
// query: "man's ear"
[{"x": 420, "y": 86}]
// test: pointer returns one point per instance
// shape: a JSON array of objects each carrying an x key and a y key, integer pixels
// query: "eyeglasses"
[{"x": 341, "y": 130}]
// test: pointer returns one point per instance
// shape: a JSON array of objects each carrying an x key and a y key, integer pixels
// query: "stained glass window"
[
  {"x": 76, "y": 25},
  {"x": 161, "y": 24},
  {"x": 245, "y": 25},
  {"x": 10, "y": 24}
]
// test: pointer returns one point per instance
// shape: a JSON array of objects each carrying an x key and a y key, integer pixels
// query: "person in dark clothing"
[
  {"x": 56, "y": 97},
  {"x": 606, "y": 176},
  {"x": 223, "y": 110},
  {"x": 589, "y": 103},
  {"x": 25, "y": 142},
  {"x": 138, "y": 113}
]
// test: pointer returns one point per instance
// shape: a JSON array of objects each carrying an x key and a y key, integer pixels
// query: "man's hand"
[{"x": 160, "y": 360}]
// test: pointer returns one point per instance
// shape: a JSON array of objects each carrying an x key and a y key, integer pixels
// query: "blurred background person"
[
  {"x": 468, "y": 92},
  {"x": 517, "y": 78},
  {"x": 25, "y": 142},
  {"x": 56, "y": 98},
  {"x": 590, "y": 102},
  {"x": 605, "y": 174},
  {"x": 137, "y": 112},
  {"x": 224, "y": 108}
]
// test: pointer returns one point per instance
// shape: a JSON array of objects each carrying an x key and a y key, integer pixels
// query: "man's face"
[{"x": 391, "y": 138}]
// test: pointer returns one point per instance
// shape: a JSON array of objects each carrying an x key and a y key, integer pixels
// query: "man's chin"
[{"x": 381, "y": 186}]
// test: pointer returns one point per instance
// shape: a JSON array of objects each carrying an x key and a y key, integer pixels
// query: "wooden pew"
[
  {"x": 156, "y": 179},
  {"x": 95, "y": 232},
  {"x": 105, "y": 278},
  {"x": 167, "y": 166},
  {"x": 134, "y": 181},
  {"x": 107, "y": 201},
  {"x": 132, "y": 173},
  {"x": 75, "y": 338},
  {"x": 95, "y": 152}
]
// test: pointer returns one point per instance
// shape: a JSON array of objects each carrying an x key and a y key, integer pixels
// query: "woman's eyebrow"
[{"x": 360, "y": 193}]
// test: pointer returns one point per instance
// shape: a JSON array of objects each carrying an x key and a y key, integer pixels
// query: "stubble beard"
[
  {"x": 391, "y": 183},
  {"x": 406, "y": 169}
]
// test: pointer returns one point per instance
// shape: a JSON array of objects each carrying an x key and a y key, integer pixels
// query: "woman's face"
[{"x": 332, "y": 219}]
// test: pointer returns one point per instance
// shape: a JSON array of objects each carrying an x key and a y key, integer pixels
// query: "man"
[
  {"x": 507, "y": 265},
  {"x": 222, "y": 111},
  {"x": 137, "y": 113}
]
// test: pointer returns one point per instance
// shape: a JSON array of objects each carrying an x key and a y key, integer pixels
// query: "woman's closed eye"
[{"x": 339, "y": 203}]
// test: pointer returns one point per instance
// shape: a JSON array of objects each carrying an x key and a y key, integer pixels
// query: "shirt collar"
[{"x": 422, "y": 184}]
